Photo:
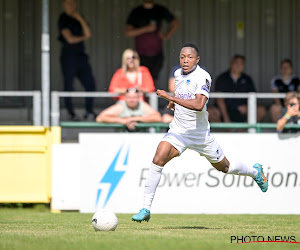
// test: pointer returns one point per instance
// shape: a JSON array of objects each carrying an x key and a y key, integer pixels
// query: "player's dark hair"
[
  {"x": 289, "y": 61},
  {"x": 238, "y": 56},
  {"x": 191, "y": 45}
]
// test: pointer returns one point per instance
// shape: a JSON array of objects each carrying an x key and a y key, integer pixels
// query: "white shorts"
[{"x": 206, "y": 146}]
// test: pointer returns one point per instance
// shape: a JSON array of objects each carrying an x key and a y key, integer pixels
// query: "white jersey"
[{"x": 187, "y": 121}]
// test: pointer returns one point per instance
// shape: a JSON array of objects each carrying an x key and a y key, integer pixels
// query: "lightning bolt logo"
[{"x": 112, "y": 176}]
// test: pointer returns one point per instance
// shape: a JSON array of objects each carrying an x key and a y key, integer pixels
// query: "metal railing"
[
  {"x": 55, "y": 95},
  {"x": 153, "y": 101},
  {"x": 158, "y": 126},
  {"x": 37, "y": 103},
  {"x": 252, "y": 102}
]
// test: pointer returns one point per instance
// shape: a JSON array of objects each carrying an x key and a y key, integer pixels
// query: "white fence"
[
  {"x": 153, "y": 100},
  {"x": 37, "y": 103}
]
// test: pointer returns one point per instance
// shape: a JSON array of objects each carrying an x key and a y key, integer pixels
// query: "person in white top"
[{"x": 190, "y": 129}]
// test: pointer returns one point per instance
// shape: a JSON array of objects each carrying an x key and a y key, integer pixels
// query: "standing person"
[
  {"x": 131, "y": 75},
  {"x": 73, "y": 31},
  {"x": 145, "y": 23},
  {"x": 235, "y": 80},
  {"x": 190, "y": 129},
  {"x": 292, "y": 114},
  {"x": 283, "y": 83}
]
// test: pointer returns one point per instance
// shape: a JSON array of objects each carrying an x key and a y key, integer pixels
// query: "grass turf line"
[{"x": 31, "y": 229}]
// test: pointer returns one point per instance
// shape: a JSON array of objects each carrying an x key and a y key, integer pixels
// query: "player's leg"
[
  {"x": 240, "y": 168},
  {"x": 164, "y": 153},
  {"x": 215, "y": 155}
]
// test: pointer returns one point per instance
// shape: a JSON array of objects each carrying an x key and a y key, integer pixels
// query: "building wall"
[{"x": 271, "y": 32}]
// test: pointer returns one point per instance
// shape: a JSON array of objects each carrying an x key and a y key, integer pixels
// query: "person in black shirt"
[
  {"x": 292, "y": 114},
  {"x": 283, "y": 83},
  {"x": 74, "y": 61},
  {"x": 145, "y": 23},
  {"x": 234, "y": 80}
]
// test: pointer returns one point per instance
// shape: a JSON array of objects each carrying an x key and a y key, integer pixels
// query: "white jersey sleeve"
[{"x": 203, "y": 83}]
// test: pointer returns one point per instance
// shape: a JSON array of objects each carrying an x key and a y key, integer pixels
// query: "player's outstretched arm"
[{"x": 194, "y": 104}]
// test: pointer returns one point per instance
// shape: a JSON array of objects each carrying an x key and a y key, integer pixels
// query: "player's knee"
[
  {"x": 158, "y": 161},
  {"x": 226, "y": 166},
  {"x": 225, "y": 169},
  {"x": 222, "y": 166}
]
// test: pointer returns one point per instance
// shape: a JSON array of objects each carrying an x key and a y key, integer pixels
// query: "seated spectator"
[
  {"x": 129, "y": 111},
  {"x": 283, "y": 83},
  {"x": 131, "y": 75},
  {"x": 291, "y": 114},
  {"x": 234, "y": 80}
]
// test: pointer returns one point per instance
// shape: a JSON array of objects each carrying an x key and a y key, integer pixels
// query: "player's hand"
[
  {"x": 163, "y": 94},
  {"x": 171, "y": 105}
]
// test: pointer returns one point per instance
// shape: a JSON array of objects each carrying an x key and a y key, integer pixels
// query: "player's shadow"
[{"x": 194, "y": 227}]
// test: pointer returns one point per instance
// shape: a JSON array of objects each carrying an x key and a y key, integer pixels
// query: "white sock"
[
  {"x": 240, "y": 168},
  {"x": 151, "y": 184}
]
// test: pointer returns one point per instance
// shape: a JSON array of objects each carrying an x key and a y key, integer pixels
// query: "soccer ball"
[{"x": 104, "y": 220}]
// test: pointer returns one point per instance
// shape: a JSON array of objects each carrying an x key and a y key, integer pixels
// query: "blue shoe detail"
[
  {"x": 261, "y": 179},
  {"x": 144, "y": 214}
]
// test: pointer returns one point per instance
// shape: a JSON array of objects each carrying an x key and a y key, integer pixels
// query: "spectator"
[
  {"x": 129, "y": 111},
  {"x": 131, "y": 75},
  {"x": 292, "y": 114},
  {"x": 283, "y": 83},
  {"x": 234, "y": 80},
  {"x": 73, "y": 30},
  {"x": 145, "y": 23}
]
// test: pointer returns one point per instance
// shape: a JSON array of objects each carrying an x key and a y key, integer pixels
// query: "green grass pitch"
[{"x": 34, "y": 229}]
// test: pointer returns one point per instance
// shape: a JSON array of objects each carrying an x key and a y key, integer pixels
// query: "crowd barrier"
[
  {"x": 37, "y": 103},
  {"x": 157, "y": 126},
  {"x": 153, "y": 101}
]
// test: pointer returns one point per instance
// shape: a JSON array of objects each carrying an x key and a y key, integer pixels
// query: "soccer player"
[{"x": 190, "y": 129}]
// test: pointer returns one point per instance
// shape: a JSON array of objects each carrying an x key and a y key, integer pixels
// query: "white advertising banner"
[
  {"x": 113, "y": 168},
  {"x": 65, "y": 176}
]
